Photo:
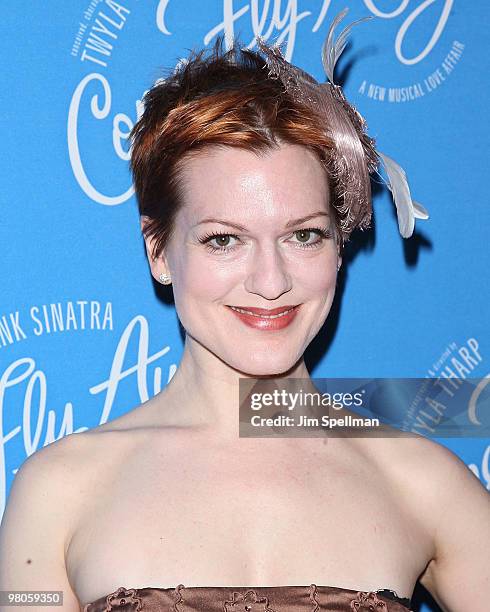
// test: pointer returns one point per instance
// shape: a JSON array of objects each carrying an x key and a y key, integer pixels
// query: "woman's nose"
[{"x": 268, "y": 274}]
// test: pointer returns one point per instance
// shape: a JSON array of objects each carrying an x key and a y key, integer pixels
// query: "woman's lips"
[{"x": 264, "y": 318}]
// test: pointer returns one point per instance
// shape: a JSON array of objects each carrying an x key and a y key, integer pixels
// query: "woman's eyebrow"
[{"x": 291, "y": 223}]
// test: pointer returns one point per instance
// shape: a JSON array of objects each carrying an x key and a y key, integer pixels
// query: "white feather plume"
[
  {"x": 331, "y": 51},
  {"x": 406, "y": 209}
]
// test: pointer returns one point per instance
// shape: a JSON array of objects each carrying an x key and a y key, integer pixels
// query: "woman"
[{"x": 250, "y": 177}]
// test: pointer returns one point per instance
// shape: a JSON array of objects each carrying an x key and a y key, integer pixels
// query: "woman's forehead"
[{"x": 278, "y": 182}]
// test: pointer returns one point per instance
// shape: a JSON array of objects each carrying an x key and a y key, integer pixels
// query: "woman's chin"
[
  {"x": 264, "y": 366},
  {"x": 255, "y": 360}
]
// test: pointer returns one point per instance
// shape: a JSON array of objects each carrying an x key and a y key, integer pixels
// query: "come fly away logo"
[{"x": 415, "y": 57}]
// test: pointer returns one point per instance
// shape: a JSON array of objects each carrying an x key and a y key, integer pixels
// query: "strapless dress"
[{"x": 310, "y": 598}]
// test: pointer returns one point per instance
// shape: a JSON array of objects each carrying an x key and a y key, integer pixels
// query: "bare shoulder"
[
  {"x": 449, "y": 502},
  {"x": 426, "y": 474},
  {"x": 54, "y": 456},
  {"x": 431, "y": 470},
  {"x": 457, "y": 576},
  {"x": 51, "y": 468},
  {"x": 50, "y": 493},
  {"x": 62, "y": 463},
  {"x": 414, "y": 459},
  {"x": 39, "y": 511},
  {"x": 51, "y": 475}
]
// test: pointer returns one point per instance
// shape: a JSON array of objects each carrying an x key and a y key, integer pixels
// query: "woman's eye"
[
  {"x": 304, "y": 236},
  {"x": 221, "y": 242}
]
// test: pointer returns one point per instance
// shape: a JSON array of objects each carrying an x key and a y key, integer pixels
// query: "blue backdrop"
[{"x": 84, "y": 338}]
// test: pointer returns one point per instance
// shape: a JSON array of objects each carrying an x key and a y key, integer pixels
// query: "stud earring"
[{"x": 164, "y": 279}]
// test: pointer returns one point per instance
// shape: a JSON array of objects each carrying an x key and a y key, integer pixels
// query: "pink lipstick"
[{"x": 264, "y": 318}]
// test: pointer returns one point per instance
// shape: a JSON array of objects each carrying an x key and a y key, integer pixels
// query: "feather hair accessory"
[{"x": 355, "y": 156}]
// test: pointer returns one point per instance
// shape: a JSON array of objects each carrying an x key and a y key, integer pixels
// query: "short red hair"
[{"x": 224, "y": 98}]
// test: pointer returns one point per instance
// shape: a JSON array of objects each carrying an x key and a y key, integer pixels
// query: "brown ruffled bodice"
[{"x": 310, "y": 598}]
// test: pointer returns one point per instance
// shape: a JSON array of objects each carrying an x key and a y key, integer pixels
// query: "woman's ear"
[{"x": 158, "y": 265}]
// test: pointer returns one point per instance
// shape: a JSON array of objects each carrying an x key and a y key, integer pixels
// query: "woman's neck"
[{"x": 204, "y": 391}]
